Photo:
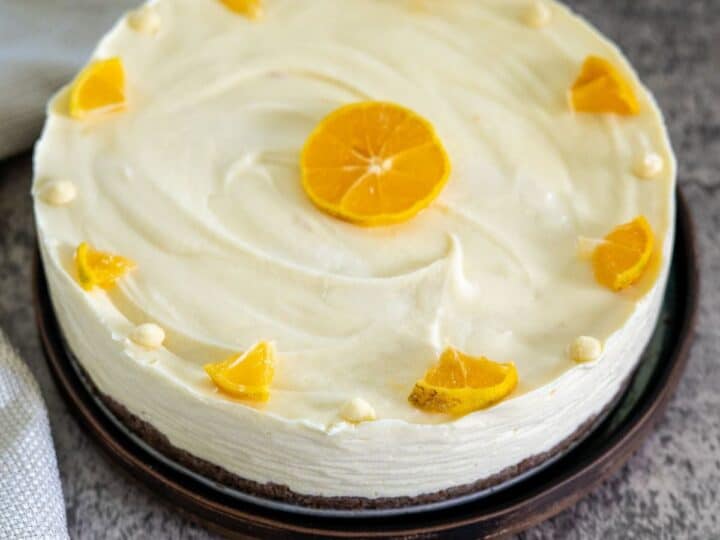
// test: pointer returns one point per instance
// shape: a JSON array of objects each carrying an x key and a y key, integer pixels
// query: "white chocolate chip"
[
  {"x": 144, "y": 20},
  {"x": 649, "y": 166},
  {"x": 59, "y": 193},
  {"x": 357, "y": 410},
  {"x": 148, "y": 335},
  {"x": 585, "y": 349},
  {"x": 538, "y": 14}
]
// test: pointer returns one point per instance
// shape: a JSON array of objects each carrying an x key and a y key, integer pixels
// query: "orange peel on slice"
[
  {"x": 373, "y": 163},
  {"x": 623, "y": 256},
  {"x": 601, "y": 88},
  {"x": 99, "y": 269},
  {"x": 460, "y": 384},
  {"x": 248, "y": 375},
  {"x": 100, "y": 87}
]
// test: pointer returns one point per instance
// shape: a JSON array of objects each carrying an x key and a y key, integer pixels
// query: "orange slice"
[
  {"x": 248, "y": 375},
  {"x": 601, "y": 88},
  {"x": 252, "y": 9},
  {"x": 373, "y": 163},
  {"x": 100, "y": 87},
  {"x": 623, "y": 256},
  {"x": 99, "y": 269},
  {"x": 459, "y": 384}
]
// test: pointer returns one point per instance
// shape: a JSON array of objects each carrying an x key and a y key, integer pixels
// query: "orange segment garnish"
[
  {"x": 252, "y": 9},
  {"x": 248, "y": 375},
  {"x": 373, "y": 163},
  {"x": 100, "y": 87},
  {"x": 459, "y": 384},
  {"x": 623, "y": 256},
  {"x": 99, "y": 269},
  {"x": 601, "y": 88}
]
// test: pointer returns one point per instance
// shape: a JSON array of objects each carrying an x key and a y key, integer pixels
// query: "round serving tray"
[{"x": 509, "y": 508}]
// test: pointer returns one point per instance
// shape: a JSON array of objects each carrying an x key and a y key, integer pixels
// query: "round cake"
[{"x": 358, "y": 253}]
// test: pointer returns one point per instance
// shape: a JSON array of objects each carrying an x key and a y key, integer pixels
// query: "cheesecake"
[{"x": 356, "y": 254}]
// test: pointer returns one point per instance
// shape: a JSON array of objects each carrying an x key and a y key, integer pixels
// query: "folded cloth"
[
  {"x": 31, "y": 501},
  {"x": 42, "y": 43}
]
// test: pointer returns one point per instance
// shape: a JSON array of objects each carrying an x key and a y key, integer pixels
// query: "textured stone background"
[{"x": 670, "y": 489}]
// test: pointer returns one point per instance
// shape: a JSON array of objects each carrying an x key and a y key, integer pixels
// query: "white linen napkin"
[
  {"x": 31, "y": 501},
  {"x": 42, "y": 44}
]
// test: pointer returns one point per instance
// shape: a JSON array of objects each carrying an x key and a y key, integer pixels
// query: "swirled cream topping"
[{"x": 197, "y": 181}]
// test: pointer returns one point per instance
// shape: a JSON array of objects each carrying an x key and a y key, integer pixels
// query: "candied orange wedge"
[
  {"x": 100, "y": 87},
  {"x": 601, "y": 88},
  {"x": 248, "y": 375},
  {"x": 622, "y": 258},
  {"x": 373, "y": 163},
  {"x": 252, "y": 9},
  {"x": 460, "y": 384},
  {"x": 99, "y": 269}
]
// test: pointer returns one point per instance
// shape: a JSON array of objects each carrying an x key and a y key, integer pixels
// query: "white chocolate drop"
[
  {"x": 538, "y": 14},
  {"x": 59, "y": 193},
  {"x": 585, "y": 349},
  {"x": 148, "y": 335},
  {"x": 358, "y": 410},
  {"x": 144, "y": 20},
  {"x": 649, "y": 166}
]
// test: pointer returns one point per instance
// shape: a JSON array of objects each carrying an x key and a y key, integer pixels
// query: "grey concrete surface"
[{"x": 668, "y": 490}]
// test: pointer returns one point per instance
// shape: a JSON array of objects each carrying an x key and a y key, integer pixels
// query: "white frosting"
[
  {"x": 538, "y": 14},
  {"x": 586, "y": 247},
  {"x": 197, "y": 181}
]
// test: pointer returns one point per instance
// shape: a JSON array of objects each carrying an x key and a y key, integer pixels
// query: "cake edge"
[{"x": 159, "y": 442}]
